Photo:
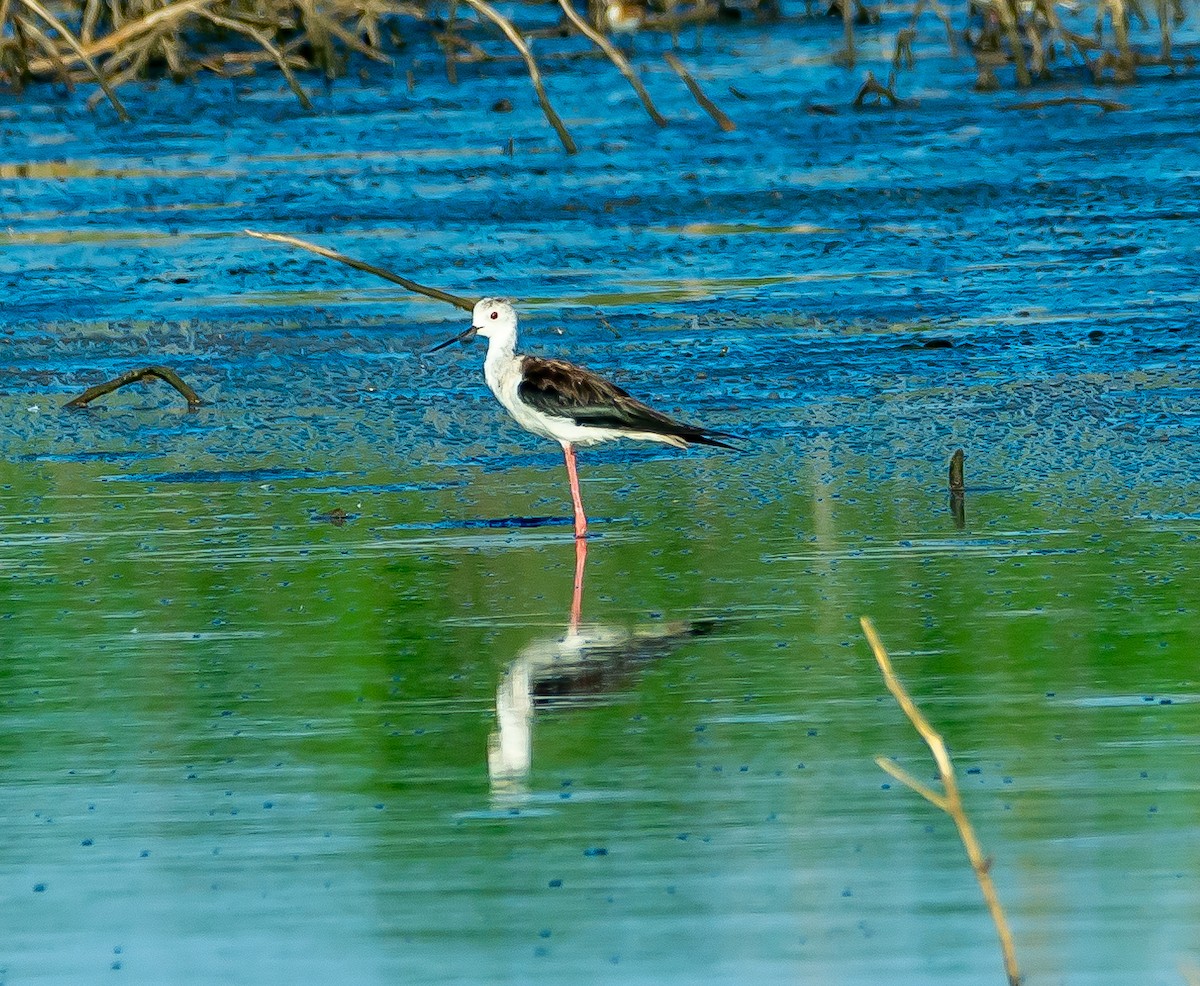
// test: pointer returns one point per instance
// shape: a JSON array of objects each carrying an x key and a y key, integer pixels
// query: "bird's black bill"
[{"x": 465, "y": 336}]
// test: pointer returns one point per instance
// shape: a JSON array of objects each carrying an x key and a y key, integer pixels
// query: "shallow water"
[{"x": 246, "y": 739}]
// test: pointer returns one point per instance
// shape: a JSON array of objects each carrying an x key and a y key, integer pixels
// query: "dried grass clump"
[
  {"x": 115, "y": 41},
  {"x": 1034, "y": 35}
]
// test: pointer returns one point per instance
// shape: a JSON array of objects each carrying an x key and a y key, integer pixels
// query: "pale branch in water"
[
  {"x": 164, "y": 373},
  {"x": 709, "y": 106},
  {"x": 465, "y": 304},
  {"x": 535, "y": 76},
  {"x": 615, "y": 56},
  {"x": 950, "y": 801}
]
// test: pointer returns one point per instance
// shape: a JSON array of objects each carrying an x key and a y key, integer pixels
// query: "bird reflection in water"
[{"x": 583, "y": 665}]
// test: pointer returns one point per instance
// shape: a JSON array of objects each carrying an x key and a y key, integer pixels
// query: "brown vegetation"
[{"x": 111, "y": 42}]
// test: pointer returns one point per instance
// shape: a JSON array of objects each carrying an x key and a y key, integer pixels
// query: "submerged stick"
[
  {"x": 164, "y": 373},
  {"x": 957, "y": 484},
  {"x": 535, "y": 76},
  {"x": 958, "y": 500},
  {"x": 950, "y": 801},
  {"x": 451, "y": 299},
  {"x": 709, "y": 106},
  {"x": 1108, "y": 105},
  {"x": 615, "y": 56}
]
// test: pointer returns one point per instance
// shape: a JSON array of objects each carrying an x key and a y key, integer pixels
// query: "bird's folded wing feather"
[{"x": 565, "y": 390}]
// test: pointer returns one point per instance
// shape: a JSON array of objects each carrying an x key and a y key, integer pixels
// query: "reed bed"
[{"x": 110, "y": 43}]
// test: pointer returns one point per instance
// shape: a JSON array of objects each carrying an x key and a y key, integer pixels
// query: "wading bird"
[{"x": 565, "y": 402}]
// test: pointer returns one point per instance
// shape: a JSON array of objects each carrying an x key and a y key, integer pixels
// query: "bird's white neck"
[{"x": 501, "y": 356}]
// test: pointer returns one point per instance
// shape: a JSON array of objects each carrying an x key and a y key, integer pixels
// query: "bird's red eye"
[{"x": 495, "y": 314}]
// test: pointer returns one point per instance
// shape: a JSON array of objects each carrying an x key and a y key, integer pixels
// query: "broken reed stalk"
[
  {"x": 615, "y": 56},
  {"x": 958, "y": 489},
  {"x": 535, "y": 76},
  {"x": 452, "y": 299},
  {"x": 164, "y": 373},
  {"x": 709, "y": 106},
  {"x": 957, "y": 484},
  {"x": 35, "y": 7},
  {"x": 252, "y": 32},
  {"x": 872, "y": 87},
  {"x": 950, "y": 801}
]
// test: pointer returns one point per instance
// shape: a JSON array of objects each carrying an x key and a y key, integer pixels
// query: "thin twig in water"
[
  {"x": 464, "y": 303},
  {"x": 535, "y": 76},
  {"x": 619, "y": 60},
  {"x": 950, "y": 802},
  {"x": 710, "y": 107},
  {"x": 164, "y": 373},
  {"x": 872, "y": 87}
]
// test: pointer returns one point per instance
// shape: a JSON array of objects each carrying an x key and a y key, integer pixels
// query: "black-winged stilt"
[{"x": 565, "y": 402}]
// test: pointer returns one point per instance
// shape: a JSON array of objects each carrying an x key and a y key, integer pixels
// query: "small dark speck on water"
[
  {"x": 974, "y": 770},
  {"x": 595, "y": 851},
  {"x": 554, "y": 884},
  {"x": 39, "y": 888},
  {"x": 87, "y": 842}
]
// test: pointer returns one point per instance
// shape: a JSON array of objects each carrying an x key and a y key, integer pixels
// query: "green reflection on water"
[{"x": 291, "y": 718}]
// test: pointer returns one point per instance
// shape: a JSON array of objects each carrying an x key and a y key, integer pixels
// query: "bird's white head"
[{"x": 495, "y": 319}]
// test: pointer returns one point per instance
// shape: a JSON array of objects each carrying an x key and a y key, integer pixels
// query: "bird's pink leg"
[
  {"x": 580, "y": 519},
  {"x": 577, "y": 595}
]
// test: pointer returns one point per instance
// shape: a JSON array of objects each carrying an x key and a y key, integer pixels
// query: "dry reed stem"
[
  {"x": 950, "y": 802},
  {"x": 464, "y": 303},
  {"x": 37, "y": 8},
  {"x": 164, "y": 373},
  {"x": 709, "y": 106},
  {"x": 1008, "y": 21},
  {"x": 38, "y": 35},
  {"x": 266, "y": 44},
  {"x": 615, "y": 56},
  {"x": 535, "y": 76}
]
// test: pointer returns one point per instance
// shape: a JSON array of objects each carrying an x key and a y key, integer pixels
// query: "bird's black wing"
[{"x": 564, "y": 390}]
